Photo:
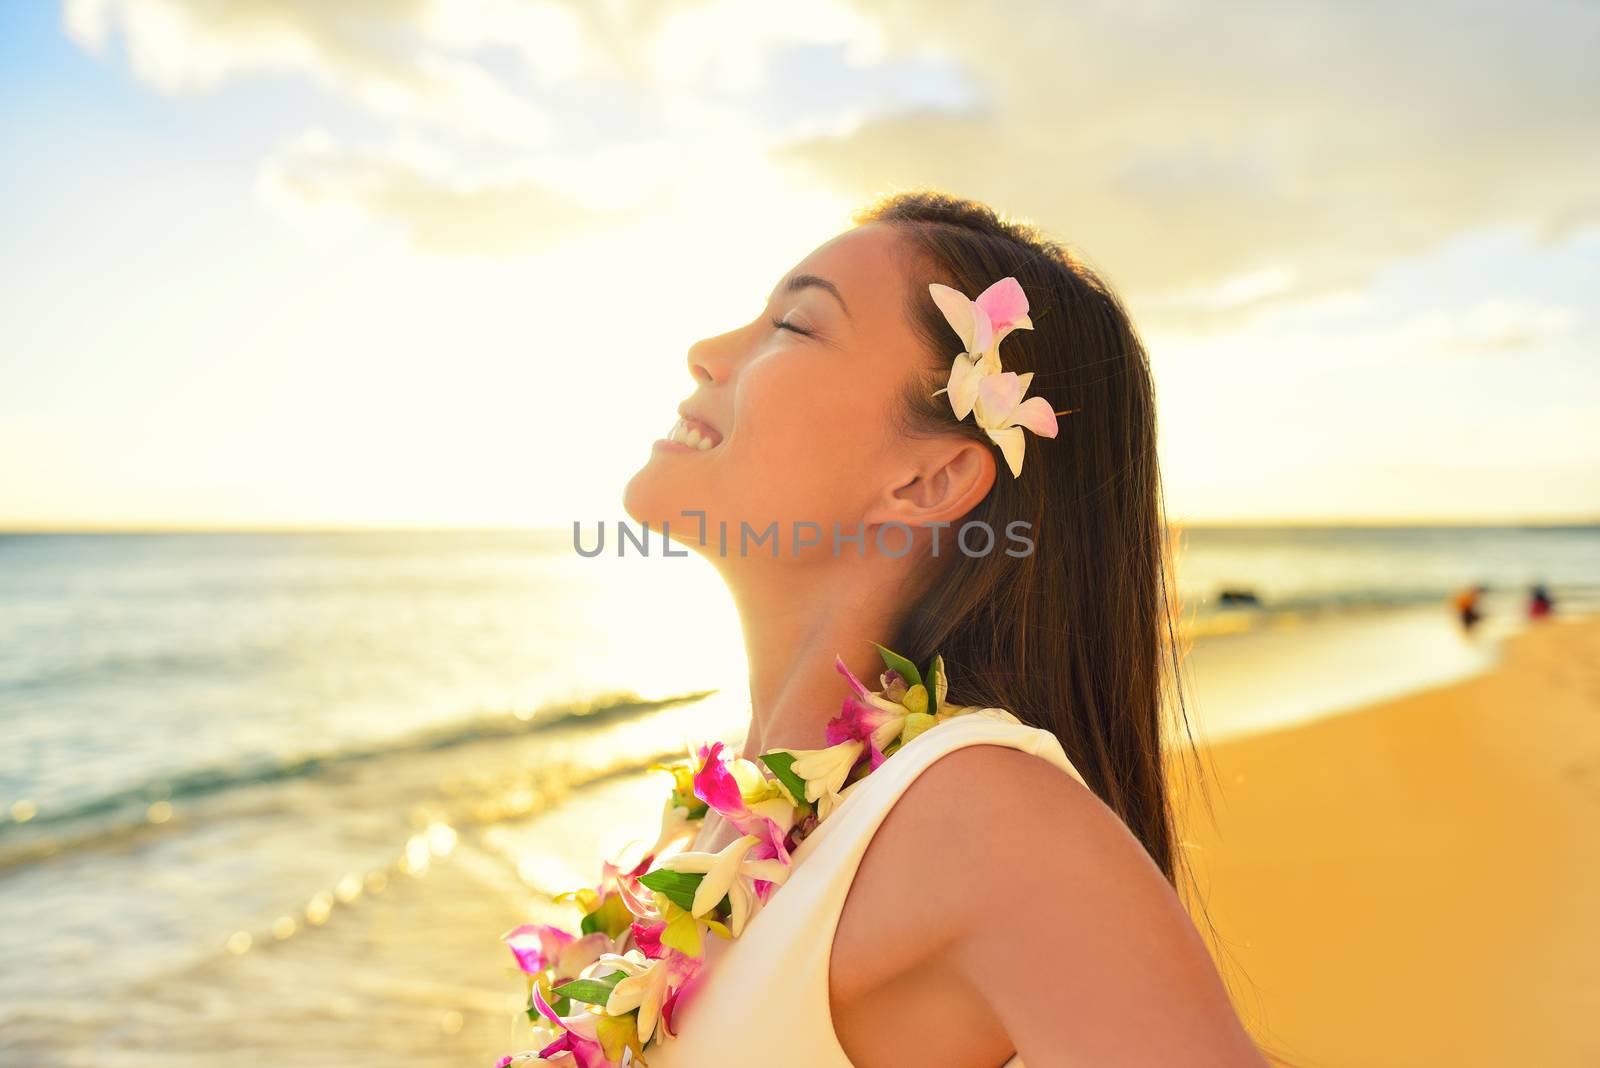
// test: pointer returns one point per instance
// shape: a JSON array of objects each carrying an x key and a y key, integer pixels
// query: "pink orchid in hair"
[
  {"x": 1003, "y": 414},
  {"x": 981, "y": 324},
  {"x": 976, "y": 380}
]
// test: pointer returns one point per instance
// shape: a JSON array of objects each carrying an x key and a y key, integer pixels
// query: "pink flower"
[
  {"x": 611, "y": 874},
  {"x": 636, "y": 897},
  {"x": 773, "y": 846},
  {"x": 615, "y": 882},
  {"x": 1002, "y": 413},
  {"x": 579, "y": 1035},
  {"x": 689, "y": 977},
  {"x": 570, "y": 1049},
  {"x": 718, "y": 784},
  {"x": 983, "y": 323},
  {"x": 865, "y": 717},
  {"x": 540, "y": 947},
  {"x": 977, "y": 382},
  {"x": 715, "y": 785},
  {"x": 536, "y": 946},
  {"x": 648, "y": 938}
]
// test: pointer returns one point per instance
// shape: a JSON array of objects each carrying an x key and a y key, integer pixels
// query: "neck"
[{"x": 795, "y": 619}]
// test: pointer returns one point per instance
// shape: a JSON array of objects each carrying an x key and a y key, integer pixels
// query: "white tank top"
[{"x": 763, "y": 997}]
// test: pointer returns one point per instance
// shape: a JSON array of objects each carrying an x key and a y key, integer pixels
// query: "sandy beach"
[{"x": 1413, "y": 883}]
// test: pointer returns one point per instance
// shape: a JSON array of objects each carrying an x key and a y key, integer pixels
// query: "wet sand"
[{"x": 1414, "y": 883}]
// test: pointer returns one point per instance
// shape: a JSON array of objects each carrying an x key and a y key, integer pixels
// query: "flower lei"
[
  {"x": 601, "y": 997},
  {"x": 977, "y": 386}
]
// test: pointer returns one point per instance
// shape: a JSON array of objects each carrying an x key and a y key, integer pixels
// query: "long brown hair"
[{"x": 1072, "y": 637}]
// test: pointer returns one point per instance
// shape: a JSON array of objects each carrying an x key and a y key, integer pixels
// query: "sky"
[{"x": 438, "y": 262}]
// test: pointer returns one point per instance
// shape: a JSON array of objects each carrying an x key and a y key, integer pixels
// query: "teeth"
[{"x": 688, "y": 432}]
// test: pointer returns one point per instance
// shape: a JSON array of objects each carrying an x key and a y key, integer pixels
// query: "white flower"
[
  {"x": 977, "y": 384},
  {"x": 644, "y": 989},
  {"x": 824, "y": 771},
  {"x": 1002, "y": 413},
  {"x": 728, "y": 873}
]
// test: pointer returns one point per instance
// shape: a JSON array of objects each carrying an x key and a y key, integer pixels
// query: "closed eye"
[{"x": 784, "y": 324}]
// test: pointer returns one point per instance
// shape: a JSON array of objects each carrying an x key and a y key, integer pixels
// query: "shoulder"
[
  {"x": 989, "y": 820},
  {"x": 995, "y": 856},
  {"x": 983, "y": 828}
]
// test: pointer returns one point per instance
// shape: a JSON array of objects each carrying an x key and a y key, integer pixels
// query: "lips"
[{"x": 694, "y": 432}]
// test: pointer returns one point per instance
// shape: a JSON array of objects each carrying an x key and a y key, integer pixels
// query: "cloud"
[
  {"x": 181, "y": 45},
  {"x": 1185, "y": 147},
  {"x": 392, "y": 57},
  {"x": 477, "y": 102},
  {"x": 441, "y": 215},
  {"x": 1211, "y": 160}
]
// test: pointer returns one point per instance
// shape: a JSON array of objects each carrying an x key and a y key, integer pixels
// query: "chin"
[
  {"x": 642, "y": 498},
  {"x": 658, "y": 493}
]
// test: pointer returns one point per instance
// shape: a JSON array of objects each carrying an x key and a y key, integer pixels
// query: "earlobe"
[{"x": 948, "y": 486}]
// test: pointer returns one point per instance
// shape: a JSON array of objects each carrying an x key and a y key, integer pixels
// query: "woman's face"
[{"x": 797, "y": 406}]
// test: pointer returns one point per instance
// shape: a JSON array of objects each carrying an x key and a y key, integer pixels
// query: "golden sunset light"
[{"x": 847, "y": 534}]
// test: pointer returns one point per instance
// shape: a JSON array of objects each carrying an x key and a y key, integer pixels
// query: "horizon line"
[{"x": 1374, "y": 522}]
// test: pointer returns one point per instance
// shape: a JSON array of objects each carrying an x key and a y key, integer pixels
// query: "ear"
[{"x": 947, "y": 481}]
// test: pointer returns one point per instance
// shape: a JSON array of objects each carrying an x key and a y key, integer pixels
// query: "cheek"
[
  {"x": 808, "y": 444},
  {"x": 803, "y": 442}
]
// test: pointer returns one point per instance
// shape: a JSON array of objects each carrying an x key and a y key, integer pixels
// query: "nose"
[{"x": 712, "y": 359}]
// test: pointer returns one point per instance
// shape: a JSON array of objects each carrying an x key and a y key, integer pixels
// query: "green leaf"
[
  {"x": 590, "y": 990},
  {"x": 561, "y": 1005},
  {"x": 895, "y": 662},
  {"x": 679, "y": 886},
  {"x": 935, "y": 669},
  {"x": 594, "y": 991},
  {"x": 591, "y": 922},
  {"x": 780, "y": 763}
]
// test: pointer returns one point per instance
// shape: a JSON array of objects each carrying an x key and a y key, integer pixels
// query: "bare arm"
[{"x": 1031, "y": 893}]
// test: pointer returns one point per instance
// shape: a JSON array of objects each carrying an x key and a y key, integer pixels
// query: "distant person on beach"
[
  {"x": 1539, "y": 603},
  {"x": 1469, "y": 606}
]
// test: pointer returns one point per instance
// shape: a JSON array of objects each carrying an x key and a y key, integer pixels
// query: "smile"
[{"x": 694, "y": 434}]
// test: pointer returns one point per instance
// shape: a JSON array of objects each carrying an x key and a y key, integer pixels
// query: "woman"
[{"x": 1000, "y": 889}]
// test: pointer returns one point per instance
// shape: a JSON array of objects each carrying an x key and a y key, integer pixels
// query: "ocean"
[{"x": 221, "y": 746}]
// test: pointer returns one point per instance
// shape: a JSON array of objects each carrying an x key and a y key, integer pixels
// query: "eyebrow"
[{"x": 805, "y": 281}]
